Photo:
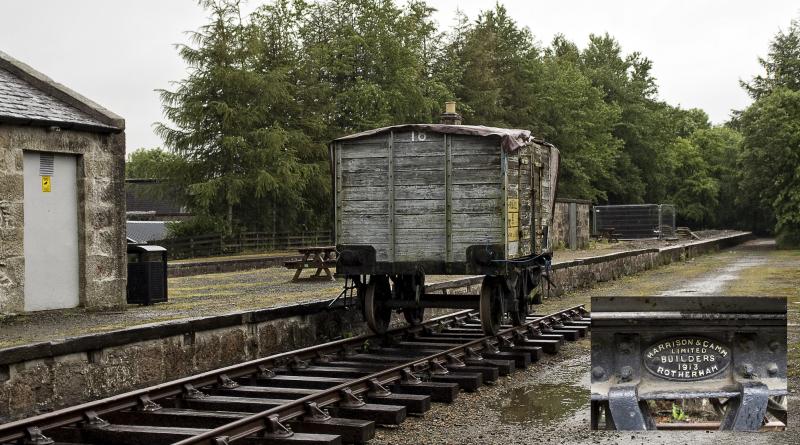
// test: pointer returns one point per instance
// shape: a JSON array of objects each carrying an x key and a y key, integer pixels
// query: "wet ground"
[{"x": 549, "y": 402}]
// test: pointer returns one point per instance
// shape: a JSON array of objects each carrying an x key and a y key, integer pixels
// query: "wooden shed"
[{"x": 447, "y": 199}]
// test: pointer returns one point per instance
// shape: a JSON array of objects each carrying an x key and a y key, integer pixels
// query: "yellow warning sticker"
[{"x": 46, "y": 184}]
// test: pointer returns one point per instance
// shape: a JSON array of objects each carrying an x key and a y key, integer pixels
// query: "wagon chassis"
[{"x": 509, "y": 286}]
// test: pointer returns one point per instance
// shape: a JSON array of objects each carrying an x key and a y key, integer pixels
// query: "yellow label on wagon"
[
  {"x": 46, "y": 184},
  {"x": 513, "y": 205},
  {"x": 513, "y": 219}
]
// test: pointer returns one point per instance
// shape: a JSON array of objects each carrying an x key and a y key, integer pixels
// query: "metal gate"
[
  {"x": 728, "y": 351},
  {"x": 635, "y": 221}
]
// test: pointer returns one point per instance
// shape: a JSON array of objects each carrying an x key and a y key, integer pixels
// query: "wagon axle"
[{"x": 499, "y": 297}]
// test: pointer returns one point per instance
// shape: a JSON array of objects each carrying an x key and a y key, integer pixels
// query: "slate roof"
[{"x": 28, "y": 97}]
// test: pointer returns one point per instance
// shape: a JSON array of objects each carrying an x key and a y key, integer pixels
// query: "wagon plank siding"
[
  {"x": 365, "y": 193},
  {"x": 427, "y": 196},
  {"x": 361, "y": 165}
]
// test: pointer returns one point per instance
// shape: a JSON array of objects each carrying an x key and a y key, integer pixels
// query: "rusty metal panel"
[{"x": 729, "y": 349}]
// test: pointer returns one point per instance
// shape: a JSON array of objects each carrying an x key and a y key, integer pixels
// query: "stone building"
[{"x": 62, "y": 198}]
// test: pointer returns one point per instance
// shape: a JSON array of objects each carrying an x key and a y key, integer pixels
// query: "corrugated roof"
[
  {"x": 143, "y": 196},
  {"x": 22, "y": 102},
  {"x": 511, "y": 138},
  {"x": 145, "y": 231}
]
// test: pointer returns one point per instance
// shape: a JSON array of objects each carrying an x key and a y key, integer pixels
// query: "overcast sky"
[{"x": 118, "y": 52}]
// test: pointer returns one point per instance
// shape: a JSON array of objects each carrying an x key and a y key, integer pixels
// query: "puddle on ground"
[
  {"x": 714, "y": 283},
  {"x": 541, "y": 403}
]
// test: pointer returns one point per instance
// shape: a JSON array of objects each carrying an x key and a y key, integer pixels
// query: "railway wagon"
[{"x": 434, "y": 199}]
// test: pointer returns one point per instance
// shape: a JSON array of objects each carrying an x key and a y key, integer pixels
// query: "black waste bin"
[{"x": 147, "y": 274}]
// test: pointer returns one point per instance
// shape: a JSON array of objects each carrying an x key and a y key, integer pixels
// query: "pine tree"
[
  {"x": 223, "y": 128},
  {"x": 781, "y": 66}
]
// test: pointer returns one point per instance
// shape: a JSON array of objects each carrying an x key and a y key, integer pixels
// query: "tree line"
[{"x": 249, "y": 126}]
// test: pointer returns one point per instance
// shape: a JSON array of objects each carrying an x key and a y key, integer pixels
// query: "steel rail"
[
  {"x": 19, "y": 429},
  {"x": 263, "y": 421}
]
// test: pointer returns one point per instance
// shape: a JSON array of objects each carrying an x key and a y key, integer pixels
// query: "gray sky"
[{"x": 118, "y": 52}]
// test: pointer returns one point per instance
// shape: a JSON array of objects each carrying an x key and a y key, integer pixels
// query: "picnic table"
[
  {"x": 609, "y": 234},
  {"x": 320, "y": 257}
]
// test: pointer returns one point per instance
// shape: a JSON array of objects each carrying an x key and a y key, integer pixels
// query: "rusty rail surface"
[{"x": 449, "y": 348}]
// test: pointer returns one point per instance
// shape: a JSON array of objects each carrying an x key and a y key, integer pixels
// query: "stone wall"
[
  {"x": 561, "y": 223},
  {"x": 101, "y": 175},
  {"x": 583, "y": 273}
]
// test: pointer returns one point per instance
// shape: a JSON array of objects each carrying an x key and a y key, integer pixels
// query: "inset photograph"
[{"x": 689, "y": 363}]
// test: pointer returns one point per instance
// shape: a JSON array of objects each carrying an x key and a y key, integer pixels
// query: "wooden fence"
[{"x": 215, "y": 245}]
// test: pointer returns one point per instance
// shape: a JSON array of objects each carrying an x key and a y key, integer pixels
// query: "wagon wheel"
[
  {"x": 413, "y": 289},
  {"x": 377, "y": 292},
  {"x": 491, "y": 305},
  {"x": 520, "y": 312}
]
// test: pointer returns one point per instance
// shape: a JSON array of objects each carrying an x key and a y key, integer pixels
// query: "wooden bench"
[{"x": 320, "y": 257}]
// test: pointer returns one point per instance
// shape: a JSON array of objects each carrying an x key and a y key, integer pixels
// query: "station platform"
[{"x": 218, "y": 294}]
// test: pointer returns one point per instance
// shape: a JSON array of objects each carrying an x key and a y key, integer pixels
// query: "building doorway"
[{"x": 51, "y": 231}]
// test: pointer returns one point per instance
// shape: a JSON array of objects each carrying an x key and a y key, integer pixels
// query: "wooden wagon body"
[{"x": 441, "y": 199}]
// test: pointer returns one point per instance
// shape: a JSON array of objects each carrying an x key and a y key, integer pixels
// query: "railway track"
[{"x": 331, "y": 393}]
